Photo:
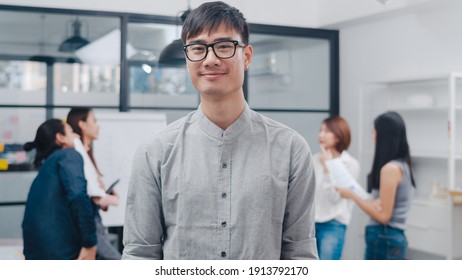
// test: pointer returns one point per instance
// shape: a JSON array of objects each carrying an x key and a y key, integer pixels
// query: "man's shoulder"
[
  {"x": 171, "y": 131},
  {"x": 270, "y": 123}
]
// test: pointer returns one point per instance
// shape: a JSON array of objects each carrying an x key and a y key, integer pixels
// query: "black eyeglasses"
[{"x": 222, "y": 49}]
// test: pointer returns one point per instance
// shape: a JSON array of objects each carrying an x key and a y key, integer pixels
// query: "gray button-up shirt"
[{"x": 200, "y": 192}]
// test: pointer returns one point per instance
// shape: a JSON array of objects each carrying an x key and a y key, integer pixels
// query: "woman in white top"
[
  {"x": 333, "y": 213},
  {"x": 83, "y": 122}
]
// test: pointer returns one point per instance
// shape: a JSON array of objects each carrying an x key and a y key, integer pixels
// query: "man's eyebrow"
[
  {"x": 196, "y": 42},
  {"x": 201, "y": 41}
]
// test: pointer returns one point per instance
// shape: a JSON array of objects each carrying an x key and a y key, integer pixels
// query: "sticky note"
[{"x": 3, "y": 164}]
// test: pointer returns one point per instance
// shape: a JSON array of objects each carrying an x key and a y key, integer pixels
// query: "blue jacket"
[{"x": 59, "y": 216}]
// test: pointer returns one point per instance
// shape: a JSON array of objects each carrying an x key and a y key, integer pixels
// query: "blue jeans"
[
  {"x": 330, "y": 237},
  {"x": 384, "y": 242}
]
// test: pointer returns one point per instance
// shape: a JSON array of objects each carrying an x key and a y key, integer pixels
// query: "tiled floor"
[{"x": 11, "y": 249}]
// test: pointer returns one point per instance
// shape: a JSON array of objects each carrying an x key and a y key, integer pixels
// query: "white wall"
[
  {"x": 422, "y": 42},
  {"x": 334, "y": 12}
]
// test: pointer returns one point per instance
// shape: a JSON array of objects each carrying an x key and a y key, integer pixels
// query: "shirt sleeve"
[
  {"x": 73, "y": 180},
  {"x": 298, "y": 236},
  {"x": 144, "y": 226}
]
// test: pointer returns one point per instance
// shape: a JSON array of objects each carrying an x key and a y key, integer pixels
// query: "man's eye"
[
  {"x": 197, "y": 48},
  {"x": 224, "y": 46}
]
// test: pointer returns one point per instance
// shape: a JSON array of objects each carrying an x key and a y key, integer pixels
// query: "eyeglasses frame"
[{"x": 212, "y": 45}]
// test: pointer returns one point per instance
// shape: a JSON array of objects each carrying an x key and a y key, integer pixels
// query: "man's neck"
[{"x": 223, "y": 111}]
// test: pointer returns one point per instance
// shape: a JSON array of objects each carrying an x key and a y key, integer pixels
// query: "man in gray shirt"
[{"x": 224, "y": 182}]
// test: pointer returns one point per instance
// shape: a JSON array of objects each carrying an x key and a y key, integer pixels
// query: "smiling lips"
[{"x": 212, "y": 74}]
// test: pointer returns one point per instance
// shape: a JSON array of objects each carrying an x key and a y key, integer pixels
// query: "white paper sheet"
[{"x": 342, "y": 178}]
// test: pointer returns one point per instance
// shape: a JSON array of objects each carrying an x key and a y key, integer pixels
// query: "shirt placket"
[{"x": 224, "y": 202}]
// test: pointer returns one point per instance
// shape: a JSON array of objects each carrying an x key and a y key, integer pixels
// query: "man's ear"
[{"x": 248, "y": 51}]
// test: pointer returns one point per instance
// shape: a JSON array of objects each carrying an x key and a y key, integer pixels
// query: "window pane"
[
  {"x": 289, "y": 73},
  {"x": 22, "y": 83},
  {"x": 86, "y": 85},
  {"x": 152, "y": 85}
]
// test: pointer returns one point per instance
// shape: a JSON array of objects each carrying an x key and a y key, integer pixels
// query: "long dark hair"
[
  {"x": 76, "y": 115},
  {"x": 45, "y": 140},
  {"x": 391, "y": 143}
]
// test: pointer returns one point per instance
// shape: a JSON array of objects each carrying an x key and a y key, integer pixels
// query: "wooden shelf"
[{"x": 456, "y": 197}]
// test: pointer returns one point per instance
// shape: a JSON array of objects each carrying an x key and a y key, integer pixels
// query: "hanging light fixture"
[
  {"x": 75, "y": 42},
  {"x": 172, "y": 55},
  {"x": 41, "y": 56}
]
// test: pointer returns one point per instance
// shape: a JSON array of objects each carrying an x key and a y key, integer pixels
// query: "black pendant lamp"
[
  {"x": 172, "y": 55},
  {"x": 75, "y": 42}
]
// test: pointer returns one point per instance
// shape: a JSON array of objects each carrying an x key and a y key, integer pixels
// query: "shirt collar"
[{"x": 236, "y": 128}]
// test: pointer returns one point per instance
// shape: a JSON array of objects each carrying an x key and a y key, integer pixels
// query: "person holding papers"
[
  {"x": 392, "y": 182},
  {"x": 83, "y": 122},
  {"x": 332, "y": 166}
]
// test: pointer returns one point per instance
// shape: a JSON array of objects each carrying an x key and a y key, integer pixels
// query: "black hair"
[
  {"x": 391, "y": 143},
  {"x": 45, "y": 140},
  {"x": 76, "y": 115},
  {"x": 210, "y": 16}
]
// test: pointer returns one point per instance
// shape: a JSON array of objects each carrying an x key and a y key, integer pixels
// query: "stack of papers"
[{"x": 342, "y": 178}]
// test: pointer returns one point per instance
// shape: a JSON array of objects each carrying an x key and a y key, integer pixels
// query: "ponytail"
[
  {"x": 29, "y": 146},
  {"x": 45, "y": 142}
]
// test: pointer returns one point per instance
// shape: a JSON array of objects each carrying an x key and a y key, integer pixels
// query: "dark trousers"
[{"x": 104, "y": 249}]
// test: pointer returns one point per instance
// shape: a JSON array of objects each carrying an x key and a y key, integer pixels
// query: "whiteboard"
[{"x": 119, "y": 136}]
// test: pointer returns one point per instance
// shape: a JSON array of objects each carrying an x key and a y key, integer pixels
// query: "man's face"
[{"x": 213, "y": 76}]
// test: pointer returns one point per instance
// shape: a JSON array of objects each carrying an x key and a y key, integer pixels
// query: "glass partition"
[
  {"x": 152, "y": 84},
  {"x": 289, "y": 73},
  {"x": 22, "y": 82},
  {"x": 86, "y": 85}
]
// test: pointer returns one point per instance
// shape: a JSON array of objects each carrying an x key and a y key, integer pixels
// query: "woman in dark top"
[
  {"x": 59, "y": 217},
  {"x": 393, "y": 185}
]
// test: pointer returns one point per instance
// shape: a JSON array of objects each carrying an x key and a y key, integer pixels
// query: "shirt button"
[
  {"x": 224, "y": 195},
  {"x": 223, "y": 254},
  {"x": 224, "y": 165},
  {"x": 223, "y": 224}
]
